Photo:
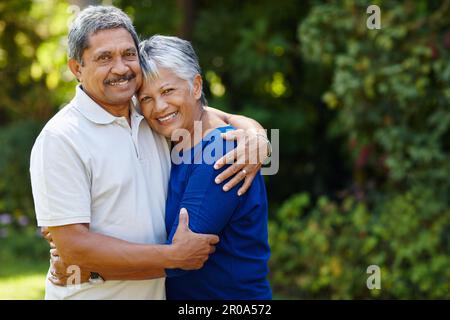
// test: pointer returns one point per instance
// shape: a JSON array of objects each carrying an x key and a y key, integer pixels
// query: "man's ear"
[
  {"x": 197, "y": 87},
  {"x": 75, "y": 67}
]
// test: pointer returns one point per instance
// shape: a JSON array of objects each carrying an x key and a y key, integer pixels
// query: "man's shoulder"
[
  {"x": 66, "y": 121},
  {"x": 66, "y": 128}
]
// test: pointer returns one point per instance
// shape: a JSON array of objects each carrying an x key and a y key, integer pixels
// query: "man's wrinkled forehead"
[{"x": 110, "y": 40}]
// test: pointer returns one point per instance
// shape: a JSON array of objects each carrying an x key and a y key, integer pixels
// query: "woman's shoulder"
[
  {"x": 213, "y": 146},
  {"x": 224, "y": 128},
  {"x": 215, "y": 135}
]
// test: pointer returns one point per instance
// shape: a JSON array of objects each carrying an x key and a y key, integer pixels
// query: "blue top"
[{"x": 238, "y": 268}]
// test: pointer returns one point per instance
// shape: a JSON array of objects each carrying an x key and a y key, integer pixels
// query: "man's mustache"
[{"x": 123, "y": 78}]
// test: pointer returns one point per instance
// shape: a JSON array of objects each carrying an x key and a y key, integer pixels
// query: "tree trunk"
[
  {"x": 84, "y": 3},
  {"x": 187, "y": 8}
]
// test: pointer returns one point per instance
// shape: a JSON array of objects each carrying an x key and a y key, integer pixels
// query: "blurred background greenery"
[{"x": 364, "y": 119}]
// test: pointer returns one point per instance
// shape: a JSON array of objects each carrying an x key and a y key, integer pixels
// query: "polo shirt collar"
[{"x": 90, "y": 109}]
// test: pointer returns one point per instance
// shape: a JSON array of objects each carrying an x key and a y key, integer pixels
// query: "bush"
[
  {"x": 390, "y": 89},
  {"x": 19, "y": 236},
  {"x": 24, "y": 244},
  {"x": 16, "y": 141},
  {"x": 323, "y": 249}
]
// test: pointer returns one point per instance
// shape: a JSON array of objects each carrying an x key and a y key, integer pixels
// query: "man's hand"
[
  {"x": 191, "y": 250},
  {"x": 246, "y": 159}
]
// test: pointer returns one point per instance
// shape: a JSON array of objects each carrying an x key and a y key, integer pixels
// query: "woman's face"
[{"x": 167, "y": 102}]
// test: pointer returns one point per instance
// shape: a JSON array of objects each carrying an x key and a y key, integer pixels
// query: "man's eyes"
[
  {"x": 104, "y": 58},
  {"x": 130, "y": 55}
]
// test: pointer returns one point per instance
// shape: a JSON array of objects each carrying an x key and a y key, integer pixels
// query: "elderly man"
[{"x": 99, "y": 174}]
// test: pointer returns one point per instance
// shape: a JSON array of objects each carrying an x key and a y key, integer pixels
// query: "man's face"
[{"x": 110, "y": 72}]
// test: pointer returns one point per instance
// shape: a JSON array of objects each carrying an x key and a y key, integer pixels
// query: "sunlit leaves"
[
  {"x": 215, "y": 84},
  {"x": 33, "y": 51}
]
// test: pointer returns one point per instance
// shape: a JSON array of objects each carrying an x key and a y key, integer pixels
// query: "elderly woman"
[{"x": 173, "y": 103}]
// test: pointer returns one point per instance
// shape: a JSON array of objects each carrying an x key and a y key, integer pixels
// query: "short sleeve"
[{"x": 60, "y": 182}]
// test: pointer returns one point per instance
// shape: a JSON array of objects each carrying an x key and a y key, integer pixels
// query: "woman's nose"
[{"x": 160, "y": 104}]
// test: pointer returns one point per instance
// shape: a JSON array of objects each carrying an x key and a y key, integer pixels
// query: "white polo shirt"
[{"x": 88, "y": 166}]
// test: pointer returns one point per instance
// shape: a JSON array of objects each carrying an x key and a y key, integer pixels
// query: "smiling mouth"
[
  {"x": 167, "y": 118},
  {"x": 120, "y": 82}
]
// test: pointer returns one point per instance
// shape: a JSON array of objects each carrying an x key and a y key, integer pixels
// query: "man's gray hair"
[
  {"x": 93, "y": 19},
  {"x": 172, "y": 53}
]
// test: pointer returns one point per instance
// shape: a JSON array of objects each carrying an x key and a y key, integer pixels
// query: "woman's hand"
[{"x": 59, "y": 274}]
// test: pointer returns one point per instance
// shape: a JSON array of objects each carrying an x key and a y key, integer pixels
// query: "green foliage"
[
  {"x": 19, "y": 237},
  {"x": 390, "y": 86},
  {"x": 16, "y": 141},
  {"x": 33, "y": 59},
  {"x": 390, "y": 90},
  {"x": 322, "y": 249},
  {"x": 24, "y": 244}
]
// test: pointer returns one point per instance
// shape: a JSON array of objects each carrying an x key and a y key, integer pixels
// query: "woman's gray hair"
[
  {"x": 93, "y": 19},
  {"x": 171, "y": 53}
]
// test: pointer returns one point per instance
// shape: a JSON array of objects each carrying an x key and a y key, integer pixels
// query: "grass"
[
  {"x": 25, "y": 280},
  {"x": 22, "y": 279}
]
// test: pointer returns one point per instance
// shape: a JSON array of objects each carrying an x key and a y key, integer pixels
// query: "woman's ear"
[
  {"x": 75, "y": 68},
  {"x": 197, "y": 88}
]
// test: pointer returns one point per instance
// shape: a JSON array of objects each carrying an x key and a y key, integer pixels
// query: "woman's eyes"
[
  {"x": 166, "y": 91},
  {"x": 145, "y": 99}
]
